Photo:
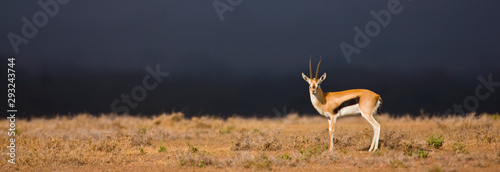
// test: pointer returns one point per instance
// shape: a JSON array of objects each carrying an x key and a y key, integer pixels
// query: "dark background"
[{"x": 91, "y": 52}]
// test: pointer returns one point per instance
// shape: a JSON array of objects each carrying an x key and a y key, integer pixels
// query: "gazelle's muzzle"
[{"x": 313, "y": 88}]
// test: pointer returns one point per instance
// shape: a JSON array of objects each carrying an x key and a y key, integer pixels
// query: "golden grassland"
[{"x": 170, "y": 142}]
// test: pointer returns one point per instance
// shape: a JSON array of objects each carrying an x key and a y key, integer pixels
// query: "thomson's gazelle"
[{"x": 348, "y": 102}]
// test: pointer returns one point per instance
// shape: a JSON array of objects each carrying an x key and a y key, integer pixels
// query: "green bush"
[
  {"x": 306, "y": 153},
  {"x": 422, "y": 153},
  {"x": 434, "y": 141},
  {"x": 495, "y": 116},
  {"x": 143, "y": 130},
  {"x": 227, "y": 130},
  {"x": 396, "y": 163},
  {"x": 459, "y": 148},
  {"x": 162, "y": 149},
  {"x": 192, "y": 148},
  {"x": 195, "y": 157},
  {"x": 379, "y": 152},
  {"x": 285, "y": 156},
  {"x": 256, "y": 130}
]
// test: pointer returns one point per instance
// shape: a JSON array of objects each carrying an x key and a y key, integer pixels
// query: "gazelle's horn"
[
  {"x": 310, "y": 68},
  {"x": 317, "y": 69}
]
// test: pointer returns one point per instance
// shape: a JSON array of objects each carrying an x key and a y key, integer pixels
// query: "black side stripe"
[{"x": 349, "y": 102}]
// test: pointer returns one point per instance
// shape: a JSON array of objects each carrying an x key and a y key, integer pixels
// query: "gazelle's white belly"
[
  {"x": 350, "y": 110},
  {"x": 346, "y": 111}
]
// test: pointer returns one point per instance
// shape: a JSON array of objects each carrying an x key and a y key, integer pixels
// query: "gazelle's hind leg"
[
  {"x": 374, "y": 112},
  {"x": 368, "y": 113}
]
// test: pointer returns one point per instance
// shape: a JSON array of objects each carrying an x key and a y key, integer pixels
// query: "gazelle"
[{"x": 349, "y": 102}]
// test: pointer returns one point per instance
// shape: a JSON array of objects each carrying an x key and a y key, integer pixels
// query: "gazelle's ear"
[
  {"x": 305, "y": 78},
  {"x": 323, "y": 77}
]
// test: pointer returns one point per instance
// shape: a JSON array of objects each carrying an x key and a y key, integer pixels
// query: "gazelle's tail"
[{"x": 377, "y": 107}]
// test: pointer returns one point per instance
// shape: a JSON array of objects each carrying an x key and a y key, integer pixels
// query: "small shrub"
[
  {"x": 34, "y": 152},
  {"x": 422, "y": 153},
  {"x": 396, "y": 163},
  {"x": 459, "y": 148},
  {"x": 255, "y": 130},
  {"x": 270, "y": 142},
  {"x": 192, "y": 149},
  {"x": 227, "y": 130},
  {"x": 143, "y": 130},
  {"x": 162, "y": 149},
  {"x": 199, "y": 159},
  {"x": 495, "y": 116},
  {"x": 143, "y": 152},
  {"x": 436, "y": 169},
  {"x": 409, "y": 151},
  {"x": 378, "y": 152},
  {"x": 195, "y": 157},
  {"x": 17, "y": 131},
  {"x": 434, "y": 141},
  {"x": 285, "y": 156},
  {"x": 201, "y": 164},
  {"x": 306, "y": 153},
  {"x": 261, "y": 161},
  {"x": 157, "y": 122}
]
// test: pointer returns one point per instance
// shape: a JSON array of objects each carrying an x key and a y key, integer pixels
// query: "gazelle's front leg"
[{"x": 331, "y": 129}]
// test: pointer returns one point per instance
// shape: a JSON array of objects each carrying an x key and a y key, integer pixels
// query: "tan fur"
[{"x": 367, "y": 99}]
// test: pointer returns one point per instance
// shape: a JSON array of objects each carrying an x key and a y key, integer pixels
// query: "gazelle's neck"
[
  {"x": 318, "y": 100},
  {"x": 318, "y": 97}
]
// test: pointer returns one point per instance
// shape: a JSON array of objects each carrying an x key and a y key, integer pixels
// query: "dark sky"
[{"x": 91, "y": 52}]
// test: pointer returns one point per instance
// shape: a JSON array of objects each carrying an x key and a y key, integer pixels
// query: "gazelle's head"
[{"x": 314, "y": 82}]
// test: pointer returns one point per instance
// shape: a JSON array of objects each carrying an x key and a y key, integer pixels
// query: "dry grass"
[{"x": 171, "y": 142}]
